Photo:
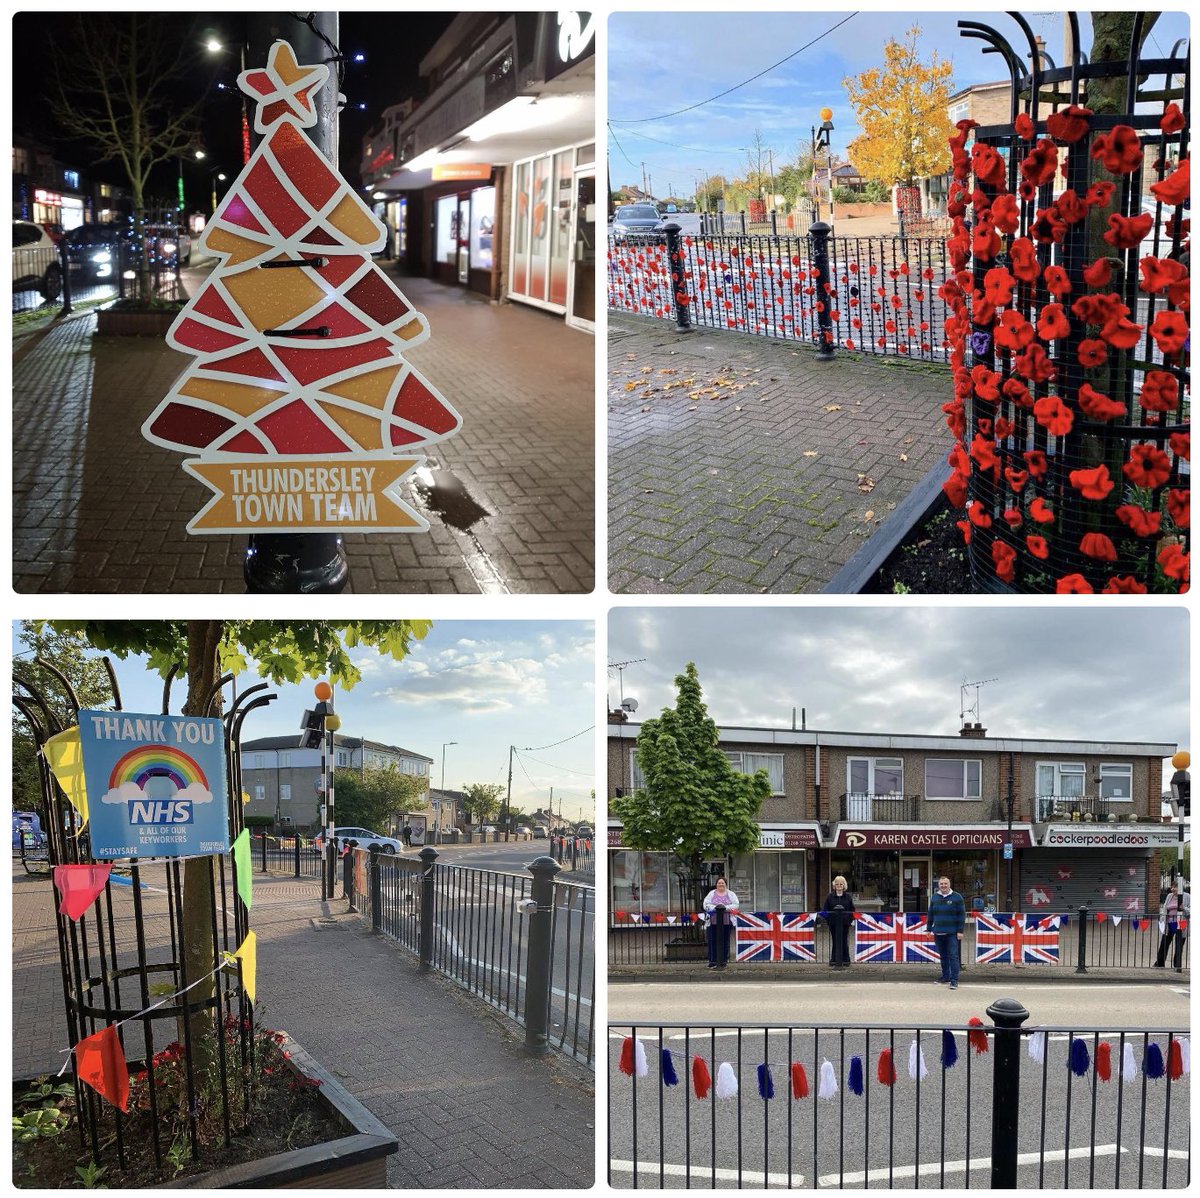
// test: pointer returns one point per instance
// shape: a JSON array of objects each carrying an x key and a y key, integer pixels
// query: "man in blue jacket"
[{"x": 947, "y": 918}]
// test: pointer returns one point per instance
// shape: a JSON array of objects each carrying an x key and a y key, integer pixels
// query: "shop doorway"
[
  {"x": 581, "y": 286},
  {"x": 464, "y": 239},
  {"x": 914, "y": 883}
]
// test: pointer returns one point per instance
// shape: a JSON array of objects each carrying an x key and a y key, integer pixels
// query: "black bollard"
[
  {"x": 819, "y": 234},
  {"x": 1081, "y": 917},
  {"x": 428, "y": 857},
  {"x": 679, "y": 295},
  {"x": 537, "y": 971},
  {"x": 1007, "y": 1014},
  {"x": 375, "y": 886}
]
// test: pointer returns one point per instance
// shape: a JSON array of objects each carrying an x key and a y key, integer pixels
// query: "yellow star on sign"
[{"x": 284, "y": 89}]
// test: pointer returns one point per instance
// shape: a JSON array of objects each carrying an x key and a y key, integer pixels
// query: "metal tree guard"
[
  {"x": 1072, "y": 463},
  {"x": 114, "y": 967}
]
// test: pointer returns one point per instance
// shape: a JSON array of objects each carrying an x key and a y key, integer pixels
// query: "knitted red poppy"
[
  {"x": 1121, "y": 333},
  {"x": 1097, "y": 406},
  {"x": 1004, "y": 428},
  {"x": 1013, "y": 331},
  {"x": 1169, "y": 331},
  {"x": 1073, "y": 584},
  {"x": 1040, "y": 512},
  {"x": 1119, "y": 150},
  {"x": 1016, "y": 478},
  {"x": 1174, "y": 562},
  {"x": 983, "y": 450},
  {"x": 1013, "y": 518},
  {"x": 1040, "y": 163},
  {"x": 986, "y": 383},
  {"x": 1068, "y": 125},
  {"x": 1097, "y": 545},
  {"x": 1181, "y": 445},
  {"x": 1099, "y": 308},
  {"x": 1037, "y": 546},
  {"x": 1056, "y": 281},
  {"x": 1023, "y": 258},
  {"x": 1160, "y": 392},
  {"x": 987, "y": 165},
  {"x": 1099, "y": 273},
  {"x": 1092, "y": 353},
  {"x": 1100, "y": 194},
  {"x": 1159, "y": 273},
  {"x": 1179, "y": 507},
  {"x": 1094, "y": 483},
  {"x": 1016, "y": 392},
  {"x": 1035, "y": 459},
  {"x": 1053, "y": 323},
  {"x": 1125, "y": 585},
  {"x": 1124, "y": 232},
  {"x": 1174, "y": 189},
  {"x": 1003, "y": 557},
  {"x": 1070, "y": 207},
  {"x": 955, "y": 490},
  {"x": 1024, "y": 126},
  {"x": 998, "y": 286},
  {"x": 1034, "y": 365},
  {"x": 1139, "y": 521},
  {"x": 1053, "y": 415},
  {"x": 1006, "y": 213},
  {"x": 1048, "y": 227},
  {"x": 1148, "y": 466},
  {"x": 1172, "y": 119}
]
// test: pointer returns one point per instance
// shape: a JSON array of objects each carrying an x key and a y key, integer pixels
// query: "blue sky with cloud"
[{"x": 663, "y": 61}]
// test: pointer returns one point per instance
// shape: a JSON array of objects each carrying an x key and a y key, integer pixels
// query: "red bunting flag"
[
  {"x": 626, "y": 1063},
  {"x": 886, "y": 1070},
  {"x": 80, "y": 886},
  {"x": 701, "y": 1078},
  {"x": 976, "y": 1037},
  {"x": 1101, "y": 916},
  {"x": 100, "y": 1061},
  {"x": 799, "y": 1081},
  {"x": 1104, "y": 1060},
  {"x": 1175, "y": 1061}
]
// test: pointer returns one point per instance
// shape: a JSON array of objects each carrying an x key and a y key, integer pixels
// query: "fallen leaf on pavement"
[
  {"x": 866, "y": 484},
  {"x": 833, "y": 407},
  {"x": 868, "y": 517},
  {"x": 810, "y": 453}
]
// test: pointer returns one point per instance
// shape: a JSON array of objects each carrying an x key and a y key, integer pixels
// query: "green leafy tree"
[
  {"x": 88, "y": 677},
  {"x": 286, "y": 651},
  {"x": 693, "y": 804},
  {"x": 374, "y": 797},
  {"x": 482, "y": 801}
]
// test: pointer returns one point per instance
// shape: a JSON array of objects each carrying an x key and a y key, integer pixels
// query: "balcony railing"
[
  {"x": 1088, "y": 809},
  {"x": 880, "y": 808}
]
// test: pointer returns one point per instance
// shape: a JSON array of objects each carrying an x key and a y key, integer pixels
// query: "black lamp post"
[
  {"x": 1181, "y": 803},
  {"x": 820, "y": 141}
]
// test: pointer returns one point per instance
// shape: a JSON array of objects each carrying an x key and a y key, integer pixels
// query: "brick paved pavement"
[
  {"x": 97, "y": 508},
  {"x": 768, "y": 487},
  {"x": 443, "y": 1071}
]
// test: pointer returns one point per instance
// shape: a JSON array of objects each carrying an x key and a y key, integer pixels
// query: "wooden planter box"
[
  {"x": 356, "y": 1160},
  {"x": 124, "y": 323}
]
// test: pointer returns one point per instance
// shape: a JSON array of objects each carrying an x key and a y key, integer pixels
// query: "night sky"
[{"x": 394, "y": 44}]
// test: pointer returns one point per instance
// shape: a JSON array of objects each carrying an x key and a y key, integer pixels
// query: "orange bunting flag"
[
  {"x": 80, "y": 886},
  {"x": 100, "y": 1061}
]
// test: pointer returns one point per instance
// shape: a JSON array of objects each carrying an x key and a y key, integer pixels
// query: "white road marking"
[
  {"x": 750, "y": 1177},
  {"x": 935, "y": 1168}
]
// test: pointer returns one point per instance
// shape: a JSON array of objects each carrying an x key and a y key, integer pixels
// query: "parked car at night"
[
  {"x": 169, "y": 241},
  {"x": 634, "y": 218},
  {"x": 93, "y": 251},
  {"x": 35, "y": 260}
]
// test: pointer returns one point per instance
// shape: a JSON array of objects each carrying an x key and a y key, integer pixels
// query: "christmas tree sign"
[{"x": 299, "y": 407}]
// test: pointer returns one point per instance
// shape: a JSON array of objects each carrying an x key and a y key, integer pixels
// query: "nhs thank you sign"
[{"x": 155, "y": 784}]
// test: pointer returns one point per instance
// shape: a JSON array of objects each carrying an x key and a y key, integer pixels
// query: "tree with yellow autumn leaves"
[{"x": 902, "y": 111}]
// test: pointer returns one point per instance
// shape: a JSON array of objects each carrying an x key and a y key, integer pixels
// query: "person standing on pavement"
[
  {"x": 719, "y": 905},
  {"x": 1175, "y": 907},
  {"x": 406, "y": 835},
  {"x": 947, "y": 919},
  {"x": 838, "y": 911}
]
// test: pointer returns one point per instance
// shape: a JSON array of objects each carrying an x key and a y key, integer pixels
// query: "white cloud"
[
  {"x": 123, "y": 793},
  {"x": 197, "y": 792}
]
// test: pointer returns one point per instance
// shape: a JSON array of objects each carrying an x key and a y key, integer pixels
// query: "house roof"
[{"x": 344, "y": 742}]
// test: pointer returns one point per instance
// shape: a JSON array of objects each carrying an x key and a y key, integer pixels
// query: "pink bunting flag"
[
  {"x": 80, "y": 886},
  {"x": 100, "y": 1061}
]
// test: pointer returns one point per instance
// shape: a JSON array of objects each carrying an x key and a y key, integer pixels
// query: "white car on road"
[{"x": 365, "y": 839}]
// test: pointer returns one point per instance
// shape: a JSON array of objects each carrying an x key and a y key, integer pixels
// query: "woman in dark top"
[{"x": 837, "y": 912}]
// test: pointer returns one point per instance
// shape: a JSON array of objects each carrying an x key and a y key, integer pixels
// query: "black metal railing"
[
  {"x": 882, "y": 296},
  {"x": 856, "y": 805},
  {"x": 1082, "y": 940},
  {"x": 1050, "y": 807},
  {"x": 39, "y": 278},
  {"x": 576, "y": 853},
  {"x": 524, "y": 943},
  {"x": 1087, "y": 1107},
  {"x": 294, "y": 854}
]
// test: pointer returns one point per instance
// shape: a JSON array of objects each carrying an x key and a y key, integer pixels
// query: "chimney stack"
[{"x": 973, "y": 731}]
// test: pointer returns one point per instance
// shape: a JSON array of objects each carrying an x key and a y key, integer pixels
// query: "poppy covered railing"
[
  {"x": 882, "y": 293},
  {"x": 1069, "y": 326}
]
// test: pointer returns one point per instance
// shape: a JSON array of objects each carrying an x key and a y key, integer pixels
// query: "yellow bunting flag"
[
  {"x": 240, "y": 851},
  {"x": 294, "y": 495},
  {"x": 247, "y": 954},
  {"x": 64, "y": 753}
]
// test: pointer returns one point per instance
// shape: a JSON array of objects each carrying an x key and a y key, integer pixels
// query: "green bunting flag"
[{"x": 241, "y": 863}]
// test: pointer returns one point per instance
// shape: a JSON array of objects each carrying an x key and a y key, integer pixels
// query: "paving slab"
[
  {"x": 772, "y": 484},
  {"x": 96, "y": 508}
]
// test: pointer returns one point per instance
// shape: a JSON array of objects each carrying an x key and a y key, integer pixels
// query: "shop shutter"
[{"x": 1104, "y": 879}]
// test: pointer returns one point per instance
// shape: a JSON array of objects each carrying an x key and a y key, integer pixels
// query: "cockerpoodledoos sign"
[{"x": 155, "y": 784}]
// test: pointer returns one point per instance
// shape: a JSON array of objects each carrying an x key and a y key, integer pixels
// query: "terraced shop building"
[{"x": 1017, "y": 824}]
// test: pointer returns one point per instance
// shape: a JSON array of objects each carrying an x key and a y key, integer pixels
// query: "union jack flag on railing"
[
  {"x": 891, "y": 938},
  {"x": 775, "y": 936},
  {"x": 1016, "y": 939}
]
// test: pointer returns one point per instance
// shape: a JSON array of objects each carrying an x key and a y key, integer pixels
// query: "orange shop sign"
[{"x": 452, "y": 172}]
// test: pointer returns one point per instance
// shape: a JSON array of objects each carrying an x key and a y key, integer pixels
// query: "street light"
[
  {"x": 820, "y": 141},
  {"x": 216, "y": 175},
  {"x": 1181, "y": 802},
  {"x": 316, "y": 732},
  {"x": 437, "y": 835},
  {"x": 216, "y": 46}
]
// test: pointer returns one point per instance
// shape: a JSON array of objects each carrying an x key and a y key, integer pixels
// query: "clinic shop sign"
[
  {"x": 932, "y": 838},
  {"x": 155, "y": 784}
]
